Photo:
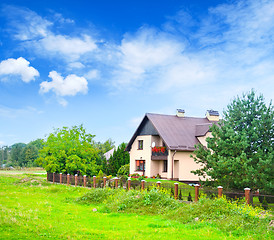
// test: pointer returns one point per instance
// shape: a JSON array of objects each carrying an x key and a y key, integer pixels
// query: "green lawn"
[{"x": 30, "y": 208}]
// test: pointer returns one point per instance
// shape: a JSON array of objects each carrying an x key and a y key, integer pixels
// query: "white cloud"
[
  {"x": 39, "y": 35},
  {"x": 71, "y": 47},
  {"x": 159, "y": 61},
  {"x": 26, "y": 24},
  {"x": 92, "y": 74},
  {"x": 76, "y": 65},
  {"x": 231, "y": 46},
  {"x": 69, "y": 86},
  {"x": 19, "y": 66}
]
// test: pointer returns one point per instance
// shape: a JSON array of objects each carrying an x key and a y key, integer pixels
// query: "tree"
[
  {"x": 119, "y": 158},
  {"x": 103, "y": 148},
  {"x": 69, "y": 150},
  {"x": 16, "y": 154},
  {"x": 29, "y": 155},
  {"x": 240, "y": 152}
]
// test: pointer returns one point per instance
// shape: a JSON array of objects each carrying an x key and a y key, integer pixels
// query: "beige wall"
[
  {"x": 186, "y": 165},
  {"x": 144, "y": 154},
  {"x": 202, "y": 139},
  {"x": 183, "y": 163}
]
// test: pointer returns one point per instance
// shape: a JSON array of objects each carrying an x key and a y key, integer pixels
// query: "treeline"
[
  {"x": 68, "y": 150},
  {"x": 20, "y": 154}
]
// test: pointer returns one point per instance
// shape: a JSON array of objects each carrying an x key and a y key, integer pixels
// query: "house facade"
[{"x": 162, "y": 144}]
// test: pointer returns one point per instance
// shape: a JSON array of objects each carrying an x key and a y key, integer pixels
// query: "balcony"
[{"x": 159, "y": 153}]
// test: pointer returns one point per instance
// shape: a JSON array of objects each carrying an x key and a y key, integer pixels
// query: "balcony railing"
[{"x": 159, "y": 151}]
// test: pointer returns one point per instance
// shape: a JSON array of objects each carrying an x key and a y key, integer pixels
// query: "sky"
[{"x": 104, "y": 64}]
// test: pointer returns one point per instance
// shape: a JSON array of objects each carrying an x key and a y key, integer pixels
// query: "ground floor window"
[
  {"x": 140, "y": 165},
  {"x": 165, "y": 166}
]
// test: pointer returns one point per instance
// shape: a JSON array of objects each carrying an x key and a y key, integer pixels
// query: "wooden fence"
[{"x": 179, "y": 192}]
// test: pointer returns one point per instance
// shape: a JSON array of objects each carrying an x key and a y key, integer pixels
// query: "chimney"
[
  {"x": 180, "y": 113},
  {"x": 212, "y": 115}
]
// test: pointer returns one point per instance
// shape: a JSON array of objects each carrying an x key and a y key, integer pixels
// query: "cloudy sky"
[{"x": 104, "y": 64}]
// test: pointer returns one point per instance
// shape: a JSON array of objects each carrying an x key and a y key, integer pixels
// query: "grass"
[{"x": 31, "y": 208}]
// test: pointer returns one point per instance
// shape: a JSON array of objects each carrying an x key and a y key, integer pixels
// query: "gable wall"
[{"x": 145, "y": 154}]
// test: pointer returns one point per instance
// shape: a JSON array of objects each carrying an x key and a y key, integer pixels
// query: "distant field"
[
  {"x": 31, "y": 208},
  {"x": 23, "y": 171}
]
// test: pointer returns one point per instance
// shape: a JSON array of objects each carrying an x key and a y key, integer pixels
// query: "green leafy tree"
[
  {"x": 29, "y": 155},
  {"x": 240, "y": 152},
  {"x": 123, "y": 170},
  {"x": 103, "y": 148},
  {"x": 16, "y": 154},
  {"x": 119, "y": 158},
  {"x": 70, "y": 150},
  {"x": 38, "y": 143}
]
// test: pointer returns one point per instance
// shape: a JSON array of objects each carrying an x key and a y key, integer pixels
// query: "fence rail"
[{"x": 177, "y": 191}]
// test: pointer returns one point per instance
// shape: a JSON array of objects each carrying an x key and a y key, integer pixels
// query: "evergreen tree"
[
  {"x": 240, "y": 152},
  {"x": 119, "y": 158}
]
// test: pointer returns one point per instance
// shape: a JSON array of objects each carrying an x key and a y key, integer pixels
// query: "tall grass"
[{"x": 31, "y": 208}]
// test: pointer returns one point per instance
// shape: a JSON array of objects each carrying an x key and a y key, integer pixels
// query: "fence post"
[
  {"x": 76, "y": 178},
  {"x": 105, "y": 181},
  {"x": 47, "y": 176},
  {"x": 60, "y": 178},
  {"x": 220, "y": 191},
  {"x": 196, "y": 192},
  {"x": 53, "y": 177},
  {"x": 143, "y": 184},
  {"x": 94, "y": 181},
  {"x": 128, "y": 183},
  {"x": 68, "y": 178},
  {"x": 247, "y": 195},
  {"x": 176, "y": 190},
  {"x": 158, "y": 184},
  {"x": 116, "y": 182}
]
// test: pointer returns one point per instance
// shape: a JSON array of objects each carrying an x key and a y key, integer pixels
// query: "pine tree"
[{"x": 240, "y": 152}]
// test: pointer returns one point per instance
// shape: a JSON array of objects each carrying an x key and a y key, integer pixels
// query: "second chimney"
[
  {"x": 180, "y": 113},
  {"x": 212, "y": 115}
]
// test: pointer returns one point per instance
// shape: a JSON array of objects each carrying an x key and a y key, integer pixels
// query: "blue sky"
[{"x": 104, "y": 64}]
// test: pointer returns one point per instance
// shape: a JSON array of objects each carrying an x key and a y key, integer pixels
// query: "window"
[
  {"x": 165, "y": 166},
  {"x": 140, "y": 144},
  {"x": 140, "y": 165}
]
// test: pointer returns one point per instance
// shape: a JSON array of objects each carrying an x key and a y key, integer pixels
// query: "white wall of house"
[
  {"x": 202, "y": 139},
  {"x": 145, "y": 154},
  {"x": 183, "y": 163}
]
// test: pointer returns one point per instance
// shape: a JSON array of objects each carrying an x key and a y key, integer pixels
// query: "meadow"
[{"x": 31, "y": 208}]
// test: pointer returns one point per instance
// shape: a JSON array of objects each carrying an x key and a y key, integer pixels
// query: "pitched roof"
[
  {"x": 178, "y": 133},
  {"x": 109, "y": 153}
]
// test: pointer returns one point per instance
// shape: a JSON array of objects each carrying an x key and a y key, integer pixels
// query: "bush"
[{"x": 231, "y": 217}]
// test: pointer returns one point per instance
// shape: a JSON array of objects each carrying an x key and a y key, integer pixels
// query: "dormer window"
[{"x": 140, "y": 145}]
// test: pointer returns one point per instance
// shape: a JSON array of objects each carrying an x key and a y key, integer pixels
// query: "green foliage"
[
  {"x": 119, "y": 158},
  {"x": 29, "y": 155},
  {"x": 16, "y": 154},
  {"x": 123, "y": 170},
  {"x": 240, "y": 153},
  {"x": 70, "y": 150},
  {"x": 20, "y": 154},
  {"x": 103, "y": 148},
  {"x": 180, "y": 197}
]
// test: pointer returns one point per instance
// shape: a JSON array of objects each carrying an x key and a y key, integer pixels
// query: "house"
[
  {"x": 108, "y": 154},
  {"x": 162, "y": 144}
]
